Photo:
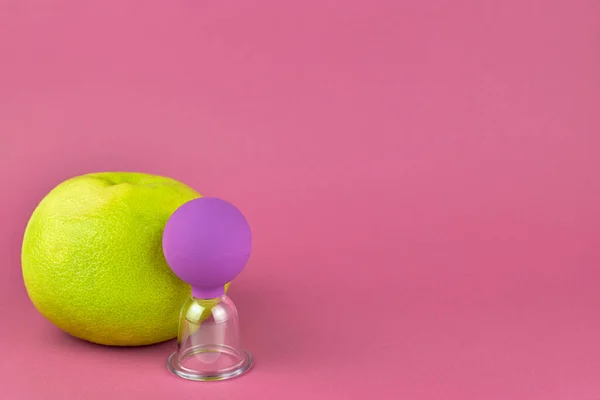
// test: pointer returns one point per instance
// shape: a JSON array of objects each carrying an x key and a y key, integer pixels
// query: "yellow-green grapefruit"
[{"x": 92, "y": 258}]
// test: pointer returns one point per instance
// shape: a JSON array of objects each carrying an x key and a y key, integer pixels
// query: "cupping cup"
[{"x": 207, "y": 242}]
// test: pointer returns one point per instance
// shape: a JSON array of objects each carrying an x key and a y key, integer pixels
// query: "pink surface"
[{"x": 421, "y": 178}]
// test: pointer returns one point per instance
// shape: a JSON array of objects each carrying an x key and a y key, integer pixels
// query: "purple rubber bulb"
[{"x": 207, "y": 242}]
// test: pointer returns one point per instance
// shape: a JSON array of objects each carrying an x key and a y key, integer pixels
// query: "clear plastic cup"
[{"x": 209, "y": 345}]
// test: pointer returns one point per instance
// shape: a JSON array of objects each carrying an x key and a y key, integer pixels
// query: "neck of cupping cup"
[{"x": 208, "y": 293}]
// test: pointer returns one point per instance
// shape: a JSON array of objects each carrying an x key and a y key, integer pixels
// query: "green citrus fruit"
[{"x": 92, "y": 258}]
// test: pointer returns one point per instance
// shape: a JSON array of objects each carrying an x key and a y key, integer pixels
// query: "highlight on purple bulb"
[{"x": 207, "y": 242}]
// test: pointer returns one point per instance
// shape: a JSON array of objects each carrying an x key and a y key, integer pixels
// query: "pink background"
[{"x": 421, "y": 177}]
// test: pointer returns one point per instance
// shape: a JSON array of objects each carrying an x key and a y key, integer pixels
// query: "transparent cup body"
[{"x": 209, "y": 345}]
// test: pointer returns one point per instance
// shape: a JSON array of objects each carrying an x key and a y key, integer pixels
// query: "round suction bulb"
[{"x": 207, "y": 242}]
